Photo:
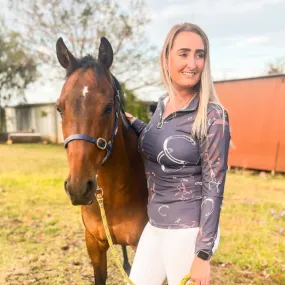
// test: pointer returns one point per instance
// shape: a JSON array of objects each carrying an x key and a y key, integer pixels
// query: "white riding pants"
[{"x": 164, "y": 253}]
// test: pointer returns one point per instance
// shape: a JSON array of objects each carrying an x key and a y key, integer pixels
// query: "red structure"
[{"x": 256, "y": 109}]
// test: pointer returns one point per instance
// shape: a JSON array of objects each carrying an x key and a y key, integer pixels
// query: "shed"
[
  {"x": 256, "y": 108},
  {"x": 39, "y": 118}
]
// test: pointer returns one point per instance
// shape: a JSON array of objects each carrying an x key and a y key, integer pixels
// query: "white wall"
[
  {"x": 41, "y": 119},
  {"x": 10, "y": 114}
]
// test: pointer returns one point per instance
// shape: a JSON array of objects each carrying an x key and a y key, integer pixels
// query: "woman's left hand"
[
  {"x": 130, "y": 117},
  {"x": 200, "y": 271}
]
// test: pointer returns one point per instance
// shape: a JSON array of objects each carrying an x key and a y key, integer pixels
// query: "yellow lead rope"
[{"x": 99, "y": 197}]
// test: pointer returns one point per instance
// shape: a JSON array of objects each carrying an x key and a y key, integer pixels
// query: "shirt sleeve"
[
  {"x": 214, "y": 156},
  {"x": 138, "y": 126}
]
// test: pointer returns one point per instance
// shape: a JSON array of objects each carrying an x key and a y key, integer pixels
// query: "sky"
[{"x": 245, "y": 36}]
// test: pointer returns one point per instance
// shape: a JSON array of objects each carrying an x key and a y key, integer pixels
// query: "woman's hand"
[
  {"x": 200, "y": 271},
  {"x": 130, "y": 117}
]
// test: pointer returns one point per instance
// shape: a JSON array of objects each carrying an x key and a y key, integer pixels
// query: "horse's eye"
[
  {"x": 108, "y": 109},
  {"x": 59, "y": 110}
]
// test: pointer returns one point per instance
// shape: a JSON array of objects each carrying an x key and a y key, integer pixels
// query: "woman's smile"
[{"x": 189, "y": 74}]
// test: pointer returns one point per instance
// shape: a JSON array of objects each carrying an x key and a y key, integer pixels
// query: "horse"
[{"x": 102, "y": 151}]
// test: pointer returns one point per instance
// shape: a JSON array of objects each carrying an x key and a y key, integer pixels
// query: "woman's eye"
[
  {"x": 183, "y": 55},
  {"x": 201, "y": 55}
]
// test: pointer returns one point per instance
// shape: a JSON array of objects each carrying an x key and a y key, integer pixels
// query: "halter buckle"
[
  {"x": 99, "y": 192},
  {"x": 99, "y": 141}
]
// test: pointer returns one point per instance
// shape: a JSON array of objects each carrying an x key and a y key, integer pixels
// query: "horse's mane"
[{"x": 85, "y": 62}]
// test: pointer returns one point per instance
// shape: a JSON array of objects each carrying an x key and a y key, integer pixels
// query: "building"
[
  {"x": 35, "y": 118},
  {"x": 256, "y": 108}
]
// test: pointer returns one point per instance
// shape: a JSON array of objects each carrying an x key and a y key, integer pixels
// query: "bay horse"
[{"x": 101, "y": 143}]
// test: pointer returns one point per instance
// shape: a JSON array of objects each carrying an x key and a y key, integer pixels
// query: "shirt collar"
[{"x": 193, "y": 105}]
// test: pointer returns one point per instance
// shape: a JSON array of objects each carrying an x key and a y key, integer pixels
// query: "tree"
[
  {"x": 17, "y": 67},
  {"x": 135, "y": 106},
  {"x": 278, "y": 67},
  {"x": 81, "y": 23}
]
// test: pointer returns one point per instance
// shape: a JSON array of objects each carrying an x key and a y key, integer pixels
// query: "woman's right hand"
[{"x": 130, "y": 117}]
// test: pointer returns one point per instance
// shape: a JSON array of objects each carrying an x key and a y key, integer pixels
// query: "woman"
[{"x": 185, "y": 150}]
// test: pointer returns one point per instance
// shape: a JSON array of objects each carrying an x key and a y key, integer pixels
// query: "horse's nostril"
[
  {"x": 89, "y": 186},
  {"x": 65, "y": 185}
]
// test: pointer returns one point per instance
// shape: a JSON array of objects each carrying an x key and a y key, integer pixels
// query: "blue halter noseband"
[{"x": 100, "y": 142}]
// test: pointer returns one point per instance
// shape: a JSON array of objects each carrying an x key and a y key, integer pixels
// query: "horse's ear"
[
  {"x": 65, "y": 58},
  {"x": 105, "y": 53}
]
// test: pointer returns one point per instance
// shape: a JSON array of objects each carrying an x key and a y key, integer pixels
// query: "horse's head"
[{"x": 89, "y": 111}]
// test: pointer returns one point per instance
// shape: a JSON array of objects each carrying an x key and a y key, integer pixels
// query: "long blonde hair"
[{"x": 206, "y": 90}]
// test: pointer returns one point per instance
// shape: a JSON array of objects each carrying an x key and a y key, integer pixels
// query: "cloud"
[
  {"x": 177, "y": 8},
  {"x": 258, "y": 40},
  {"x": 243, "y": 43},
  {"x": 219, "y": 19}
]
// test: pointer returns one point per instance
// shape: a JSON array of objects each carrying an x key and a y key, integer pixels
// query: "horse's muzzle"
[{"x": 80, "y": 193}]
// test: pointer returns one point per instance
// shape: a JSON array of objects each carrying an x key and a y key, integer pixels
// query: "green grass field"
[{"x": 42, "y": 236}]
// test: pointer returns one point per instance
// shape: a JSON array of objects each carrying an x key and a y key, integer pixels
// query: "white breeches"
[{"x": 164, "y": 253}]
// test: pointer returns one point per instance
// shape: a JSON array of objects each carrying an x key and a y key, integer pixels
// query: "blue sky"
[{"x": 245, "y": 36}]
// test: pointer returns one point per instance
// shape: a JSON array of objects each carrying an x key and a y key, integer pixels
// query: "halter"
[{"x": 101, "y": 143}]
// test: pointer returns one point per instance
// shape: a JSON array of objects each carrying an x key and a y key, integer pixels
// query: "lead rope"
[{"x": 99, "y": 196}]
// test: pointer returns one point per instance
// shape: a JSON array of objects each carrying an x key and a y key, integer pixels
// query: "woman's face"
[{"x": 186, "y": 60}]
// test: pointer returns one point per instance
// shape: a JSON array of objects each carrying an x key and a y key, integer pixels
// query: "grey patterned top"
[{"x": 185, "y": 175}]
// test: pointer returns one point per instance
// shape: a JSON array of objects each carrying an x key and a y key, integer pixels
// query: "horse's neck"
[
  {"x": 124, "y": 150},
  {"x": 124, "y": 171}
]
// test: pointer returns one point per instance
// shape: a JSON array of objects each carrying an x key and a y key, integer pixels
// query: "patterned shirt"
[{"x": 185, "y": 175}]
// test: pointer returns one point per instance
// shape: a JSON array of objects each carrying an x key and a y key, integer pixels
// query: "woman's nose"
[{"x": 191, "y": 63}]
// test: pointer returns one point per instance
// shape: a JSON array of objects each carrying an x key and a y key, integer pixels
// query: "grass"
[{"x": 42, "y": 236}]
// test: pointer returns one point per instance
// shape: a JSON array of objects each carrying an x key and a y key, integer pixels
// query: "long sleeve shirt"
[{"x": 185, "y": 175}]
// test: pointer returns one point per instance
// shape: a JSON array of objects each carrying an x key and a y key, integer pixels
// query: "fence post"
[{"x": 276, "y": 159}]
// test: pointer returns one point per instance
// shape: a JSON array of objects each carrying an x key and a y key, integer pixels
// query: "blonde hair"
[{"x": 206, "y": 89}]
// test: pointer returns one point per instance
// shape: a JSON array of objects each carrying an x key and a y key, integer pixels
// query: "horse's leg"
[
  {"x": 98, "y": 258},
  {"x": 126, "y": 264}
]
